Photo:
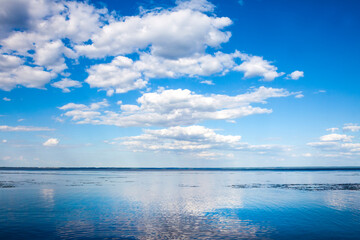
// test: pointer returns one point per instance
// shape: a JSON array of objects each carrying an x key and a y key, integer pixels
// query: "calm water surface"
[{"x": 179, "y": 205}]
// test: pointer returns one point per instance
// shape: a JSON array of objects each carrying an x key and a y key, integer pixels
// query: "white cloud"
[
  {"x": 4, "y": 141},
  {"x": 50, "y": 56},
  {"x": 123, "y": 74},
  {"x": 300, "y": 95},
  {"x": 8, "y": 62},
  {"x": 47, "y": 33},
  {"x": 6, "y": 99},
  {"x": 130, "y": 34},
  {"x": 93, "y": 106},
  {"x": 255, "y": 66},
  {"x": 30, "y": 77},
  {"x": 337, "y": 145},
  {"x": 66, "y": 83},
  {"x": 351, "y": 127},
  {"x": 176, "y": 107},
  {"x": 6, "y": 128},
  {"x": 117, "y": 75},
  {"x": 198, "y": 5},
  {"x": 37, "y": 35},
  {"x": 332, "y": 129},
  {"x": 336, "y": 137},
  {"x": 208, "y": 82},
  {"x": 307, "y": 155},
  {"x": 51, "y": 142},
  {"x": 197, "y": 140},
  {"x": 197, "y": 65},
  {"x": 295, "y": 75}
]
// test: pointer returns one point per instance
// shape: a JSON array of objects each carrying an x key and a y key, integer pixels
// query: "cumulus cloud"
[
  {"x": 31, "y": 77},
  {"x": 116, "y": 76},
  {"x": 6, "y": 128},
  {"x": 351, "y": 127},
  {"x": 51, "y": 142},
  {"x": 255, "y": 66},
  {"x": 295, "y": 75},
  {"x": 197, "y": 140},
  {"x": 123, "y": 74},
  {"x": 133, "y": 33},
  {"x": 13, "y": 73},
  {"x": 176, "y": 107},
  {"x": 44, "y": 37},
  {"x": 65, "y": 84},
  {"x": 50, "y": 55},
  {"x": 6, "y": 99},
  {"x": 336, "y": 137},
  {"x": 35, "y": 30},
  {"x": 337, "y": 145}
]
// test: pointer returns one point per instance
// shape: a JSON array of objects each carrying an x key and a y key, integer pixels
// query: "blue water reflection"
[{"x": 178, "y": 205}]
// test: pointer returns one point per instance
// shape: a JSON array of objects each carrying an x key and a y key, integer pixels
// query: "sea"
[{"x": 179, "y": 203}]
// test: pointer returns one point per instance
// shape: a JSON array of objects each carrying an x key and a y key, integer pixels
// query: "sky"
[{"x": 235, "y": 83}]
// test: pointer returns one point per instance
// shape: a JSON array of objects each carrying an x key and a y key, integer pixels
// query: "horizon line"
[{"x": 296, "y": 168}]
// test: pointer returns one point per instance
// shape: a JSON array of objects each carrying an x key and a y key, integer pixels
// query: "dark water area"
[{"x": 179, "y": 204}]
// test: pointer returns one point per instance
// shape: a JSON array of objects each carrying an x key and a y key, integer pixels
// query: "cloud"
[
  {"x": 6, "y": 99},
  {"x": 13, "y": 15},
  {"x": 336, "y": 137},
  {"x": 351, "y": 127},
  {"x": 51, "y": 142},
  {"x": 117, "y": 75},
  {"x": 66, "y": 83},
  {"x": 50, "y": 55},
  {"x": 295, "y": 75},
  {"x": 300, "y": 95},
  {"x": 337, "y": 145},
  {"x": 197, "y": 140},
  {"x": 332, "y": 129},
  {"x": 13, "y": 73},
  {"x": 93, "y": 106},
  {"x": 47, "y": 36},
  {"x": 176, "y": 107},
  {"x": 255, "y": 66},
  {"x": 133, "y": 33},
  {"x": 307, "y": 155},
  {"x": 123, "y": 74},
  {"x": 208, "y": 82},
  {"x": 32, "y": 49},
  {"x": 6, "y": 128},
  {"x": 30, "y": 77},
  {"x": 198, "y": 5}
]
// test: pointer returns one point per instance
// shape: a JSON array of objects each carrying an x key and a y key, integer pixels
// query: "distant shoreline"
[{"x": 350, "y": 168}]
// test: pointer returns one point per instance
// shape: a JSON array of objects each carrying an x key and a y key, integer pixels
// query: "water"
[{"x": 179, "y": 204}]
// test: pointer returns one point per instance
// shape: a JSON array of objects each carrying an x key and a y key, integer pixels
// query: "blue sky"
[{"x": 179, "y": 83}]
